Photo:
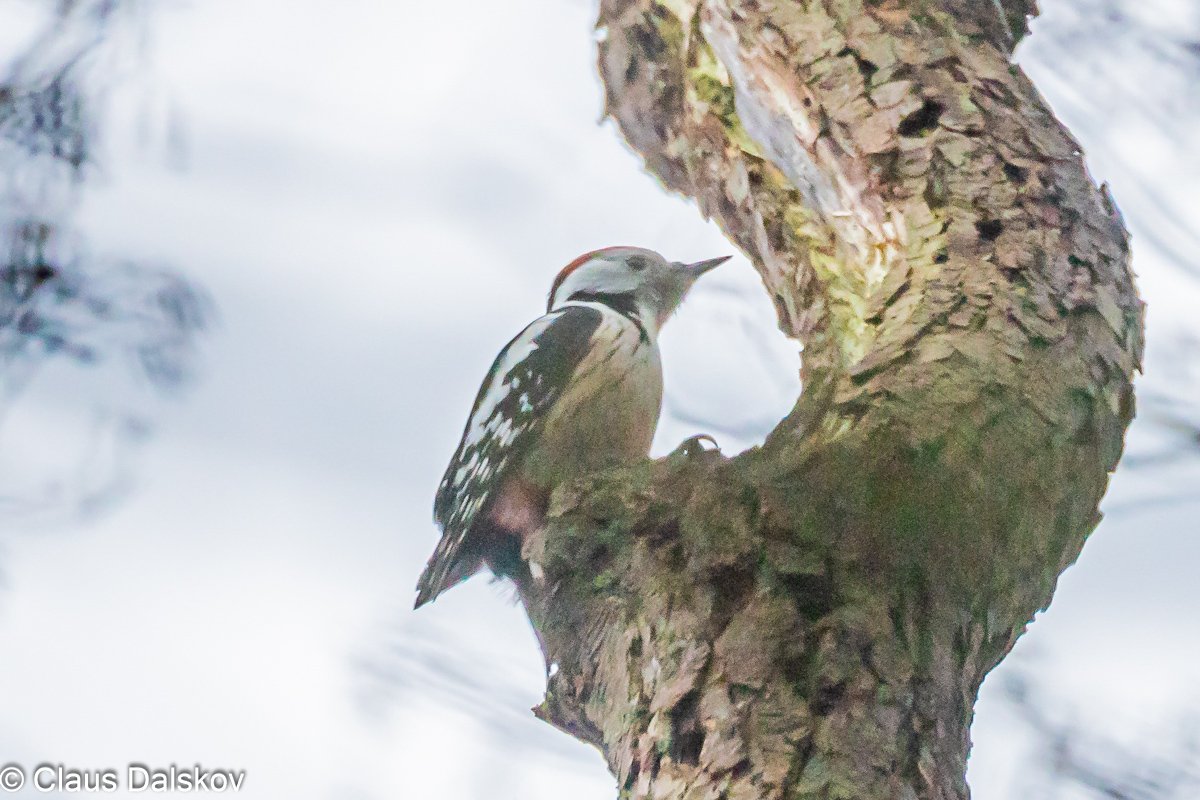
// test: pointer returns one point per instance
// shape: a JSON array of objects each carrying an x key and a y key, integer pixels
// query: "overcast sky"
[{"x": 376, "y": 195}]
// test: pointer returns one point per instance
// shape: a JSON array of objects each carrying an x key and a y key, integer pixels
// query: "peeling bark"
[{"x": 813, "y": 618}]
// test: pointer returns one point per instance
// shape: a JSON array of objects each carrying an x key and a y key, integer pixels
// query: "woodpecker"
[{"x": 576, "y": 391}]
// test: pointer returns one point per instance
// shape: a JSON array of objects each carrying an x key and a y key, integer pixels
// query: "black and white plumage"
[{"x": 577, "y": 391}]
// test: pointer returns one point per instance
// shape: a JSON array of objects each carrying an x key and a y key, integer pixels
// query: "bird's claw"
[{"x": 693, "y": 446}]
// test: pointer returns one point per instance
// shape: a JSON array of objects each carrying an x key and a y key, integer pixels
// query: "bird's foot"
[{"x": 694, "y": 446}]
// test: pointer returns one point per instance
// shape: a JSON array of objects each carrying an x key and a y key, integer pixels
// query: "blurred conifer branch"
[
  {"x": 1163, "y": 767},
  {"x": 57, "y": 300}
]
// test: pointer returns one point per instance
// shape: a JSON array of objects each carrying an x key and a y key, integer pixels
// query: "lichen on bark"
[{"x": 813, "y": 618}]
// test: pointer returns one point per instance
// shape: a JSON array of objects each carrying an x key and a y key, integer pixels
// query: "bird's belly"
[{"x": 607, "y": 417}]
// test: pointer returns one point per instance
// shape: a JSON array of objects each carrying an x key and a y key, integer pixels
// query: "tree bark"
[{"x": 813, "y": 618}]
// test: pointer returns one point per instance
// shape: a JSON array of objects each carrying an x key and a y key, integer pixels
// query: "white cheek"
[{"x": 604, "y": 278}]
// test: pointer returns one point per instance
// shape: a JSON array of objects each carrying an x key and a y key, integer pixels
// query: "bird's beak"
[{"x": 701, "y": 267}]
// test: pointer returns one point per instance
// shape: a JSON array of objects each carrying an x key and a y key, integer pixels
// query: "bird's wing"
[{"x": 527, "y": 377}]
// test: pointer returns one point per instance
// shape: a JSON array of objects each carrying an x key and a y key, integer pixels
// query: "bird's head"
[{"x": 629, "y": 277}]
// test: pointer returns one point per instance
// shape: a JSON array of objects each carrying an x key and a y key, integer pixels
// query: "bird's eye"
[{"x": 637, "y": 263}]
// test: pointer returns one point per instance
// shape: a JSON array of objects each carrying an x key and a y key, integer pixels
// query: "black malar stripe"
[{"x": 621, "y": 302}]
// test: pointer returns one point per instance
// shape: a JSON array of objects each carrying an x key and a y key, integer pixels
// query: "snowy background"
[{"x": 373, "y": 196}]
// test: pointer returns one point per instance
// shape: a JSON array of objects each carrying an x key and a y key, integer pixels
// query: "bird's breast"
[{"x": 609, "y": 411}]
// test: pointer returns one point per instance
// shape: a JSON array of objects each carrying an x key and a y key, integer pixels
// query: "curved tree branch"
[{"x": 814, "y": 618}]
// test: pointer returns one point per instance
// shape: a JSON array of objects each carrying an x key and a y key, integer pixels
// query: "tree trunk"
[{"x": 813, "y": 618}]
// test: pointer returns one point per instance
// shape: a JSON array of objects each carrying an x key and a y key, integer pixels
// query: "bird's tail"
[
  {"x": 446, "y": 569},
  {"x": 441, "y": 574}
]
